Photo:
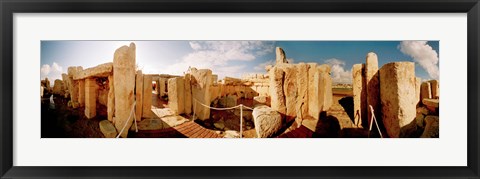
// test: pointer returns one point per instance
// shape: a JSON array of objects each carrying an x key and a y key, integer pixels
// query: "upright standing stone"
[
  {"x": 313, "y": 91},
  {"x": 81, "y": 92},
  {"x": 359, "y": 95},
  {"x": 188, "y": 94},
  {"x": 397, "y": 90},
  {"x": 302, "y": 92},
  {"x": 201, "y": 91},
  {"x": 124, "y": 84},
  {"x": 425, "y": 91},
  {"x": 434, "y": 87},
  {"x": 290, "y": 91},
  {"x": 91, "y": 92},
  {"x": 73, "y": 85},
  {"x": 176, "y": 95},
  {"x": 147, "y": 96},
  {"x": 111, "y": 99},
  {"x": 373, "y": 85},
  {"x": 162, "y": 86},
  {"x": 280, "y": 56},
  {"x": 276, "y": 90},
  {"x": 325, "y": 88},
  {"x": 418, "y": 84},
  {"x": 139, "y": 95}
]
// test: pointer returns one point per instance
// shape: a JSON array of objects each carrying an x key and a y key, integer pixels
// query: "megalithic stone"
[
  {"x": 201, "y": 80},
  {"x": 111, "y": 99},
  {"x": 81, "y": 92},
  {"x": 139, "y": 95},
  {"x": 290, "y": 91},
  {"x": 313, "y": 91},
  {"x": 359, "y": 95},
  {"x": 425, "y": 91},
  {"x": 124, "y": 84},
  {"x": 325, "y": 88},
  {"x": 276, "y": 90},
  {"x": 188, "y": 94},
  {"x": 91, "y": 92},
  {"x": 373, "y": 85},
  {"x": 176, "y": 94},
  {"x": 147, "y": 96},
  {"x": 434, "y": 88},
  {"x": 418, "y": 84},
  {"x": 397, "y": 90},
  {"x": 302, "y": 90},
  {"x": 280, "y": 56}
]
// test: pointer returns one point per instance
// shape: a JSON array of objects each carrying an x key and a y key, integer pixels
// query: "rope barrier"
[
  {"x": 131, "y": 113},
  {"x": 371, "y": 123}
]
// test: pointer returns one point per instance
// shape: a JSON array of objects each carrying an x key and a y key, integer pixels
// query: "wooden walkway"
[
  {"x": 301, "y": 132},
  {"x": 185, "y": 130}
]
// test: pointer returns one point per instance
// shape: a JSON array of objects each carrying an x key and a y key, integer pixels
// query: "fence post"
[{"x": 241, "y": 120}]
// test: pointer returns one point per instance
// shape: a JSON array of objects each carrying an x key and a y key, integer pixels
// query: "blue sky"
[{"x": 234, "y": 58}]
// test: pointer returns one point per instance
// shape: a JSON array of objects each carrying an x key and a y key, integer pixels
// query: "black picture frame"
[{"x": 9, "y": 7}]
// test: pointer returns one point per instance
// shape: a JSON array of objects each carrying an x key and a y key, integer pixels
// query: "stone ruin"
[{"x": 399, "y": 100}]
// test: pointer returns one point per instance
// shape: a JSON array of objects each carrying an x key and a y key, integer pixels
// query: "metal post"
[{"x": 241, "y": 120}]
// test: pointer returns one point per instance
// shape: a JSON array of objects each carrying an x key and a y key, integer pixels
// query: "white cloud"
[
  {"x": 338, "y": 72},
  {"x": 423, "y": 54},
  {"x": 51, "y": 72},
  {"x": 45, "y": 70},
  {"x": 261, "y": 66},
  {"x": 216, "y": 55}
]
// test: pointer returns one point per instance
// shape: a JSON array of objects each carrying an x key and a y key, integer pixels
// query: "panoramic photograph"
[{"x": 239, "y": 89}]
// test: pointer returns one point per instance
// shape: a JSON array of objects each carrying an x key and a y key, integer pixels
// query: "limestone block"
[
  {"x": 434, "y": 87},
  {"x": 397, "y": 90},
  {"x": 280, "y": 56},
  {"x": 431, "y": 104},
  {"x": 359, "y": 95},
  {"x": 102, "y": 70},
  {"x": 425, "y": 91},
  {"x": 176, "y": 94},
  {"x": 267, "y": 121},
  {"x": 373, "y": 88},
  {"x": 276, "y": 90},
  {"x": 418, "y": 84},
  {"x": 260, "y": 100},
  {"x": 81, "y": 92},
  {"x": 41, "y": 91},
  {"x": 201, "y": 91},
  {"x": 103, "y": 97},
  {"x": 147, "y": 96},
  {"x": 139, "y": 95},
  {"x": 58, "y": 87},
  {"x": 111, "y": 99},
  {"x": 91, "y": 92},
  {"x": 432, "y": 124},
  {"x": 302, "y": 92},
  {"x": 313, "y": 91},
  {"x": 228, "y": 101},
  {"x": 290, "y": 91},
  {"x": 73, "y": 85},
  {"x": 325, "y": 93},
  {"x": 162, "y": 86},
  {"x": 188, "y": 94},
  {"x": 106, "y": 127},
  {"x": 124, "y": 84}
]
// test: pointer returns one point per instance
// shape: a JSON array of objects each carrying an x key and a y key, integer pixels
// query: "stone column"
[
  {"x": 111, "y": 99},
  {"x": 290, "y": 91},
  {"x": 373, "y": 85},
  {"x": 162, "y": 86},
  {"x": 81, "y": 92},
  {"x": 425, "y": 91},
  {"x": 73, "y": 85},
  {"x": 147, "y": 96},
  {"x": 434, "y": 87},
  {"x": 124, "y": 84},
  {"x": 139, "y": 95},
  {"x": 91, "y": 92},
  {"x": 313, "y": 91},
  {"x": 188, "y": 94},
  {"x": 325, "y": 88},
  {"x": 201, "y": 91},
  {"x": 418, "y": 84},
  {"x": 176, "y": 94},
  {"x": 359, "y": 95},
  {"x": 276, "y": 90},
  {"x": 302, "y": 88},
  {"x": 397, "y": 89}
]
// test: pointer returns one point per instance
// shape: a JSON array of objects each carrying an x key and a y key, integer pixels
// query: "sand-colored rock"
[
  {"x": 91, "y": 92},
  {"x": 359, "y": 95},
  {"x": 73, "y": 84},
  {"x": 139, "y": 95},
  {"x": 102, "y": 70},
  {"x": 106, "y": 127},
  {"x": 314, "y": 105},
  {"x": 276, "y": 90},
  {"x": 260, "y": 100},
  {"x": 432, "y": 124},
  {"x": 397, "y": 90},
  {"x": 325, "y": 93},
  {"x": 373, "y": 86},
  {"x": 111, "y": 99},
  {"x": 58, "y": 87},
  {"x": 102, "y": 96},
  {"x": 435, "y": 88},
  {"x": 188, "y": 94},
  {"x": 81, "y": 92},
  {"x": 147, "y": 96},
  {"x": 162, "y": 86},
  {"x": 302, "y": 92},
  {"x": 124, "y": 84},
  {"x": 280, "y": 56},
  {"x": 176, "y": 95},
  {"x": 425, "y": 91},
  {"x": 431, "y": 104},
  {"x": 200, "y": 81},
  {"x": 267, "y": 121},
  {"x": 418, "y": 84},
  {"x": 290, "y": 91}
]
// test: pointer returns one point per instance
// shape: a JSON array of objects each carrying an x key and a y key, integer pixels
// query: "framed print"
[{"x": 254, "y": 89}]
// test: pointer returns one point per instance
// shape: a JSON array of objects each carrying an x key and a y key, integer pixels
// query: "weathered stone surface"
[
  {"x": 432, "y": 124},
  {"x": 188, "y": 94},
  {"x": 91, "y": 92},
  {"x": 106, "y": 127},
  {"x": 231, "y": 134},
  {"x": 41, "y": 91},
  {"x": 397, "y": 90},
  {"x": 325, "y": 93},
  {"x": 176, "y": 95},
  {"x": 276, "y": 90},
  {"x": 124, "y": 84},
  {"x": 102, "y": 96},
  {"x": 359, "y": 95},
  {"x": 423, "y": 110},
  {"x": 81, "y": 92},
  {"x": 228, "y": 101},
  {"x": 102, "y": 70},
  {"x": 260, "y": 100},
  {"x": 314, "y": 105},
  {"x": 373, "y": 86},
  {"x": 419, "y": 119},
  {"x": 302, "y": 92},
  {"x": 162, "y": 86},
  {"x": 139, "y": 95},
  {"x": 434, "y": 87},
  {"x": 73, "y": 85},
  {"x": 418, "y": 84},
  {"x": 431, "y": 104},
  {"x": 147, "y": 96},
  {"x": 267, "y": 121},
  {"x": 58, "y": 87},
  {"x": 201, "y": 91},
  {"x": 280, "y": 56},
  {"x": 111, "y": 99},
  {"x": 290, "y": 91},
  {"x": 425, "y": 91}
]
